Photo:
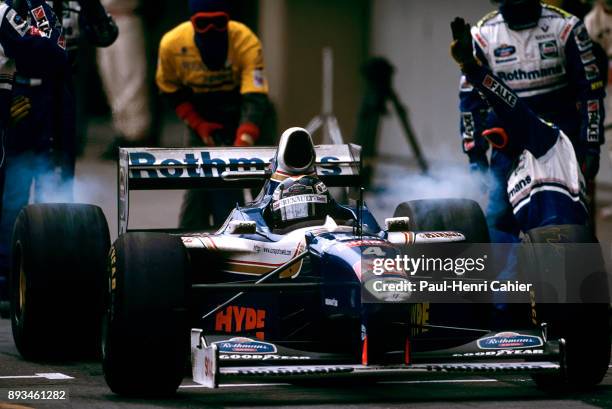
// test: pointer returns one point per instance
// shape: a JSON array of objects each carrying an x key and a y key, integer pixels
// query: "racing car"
[{"x": 280, "y": 291}]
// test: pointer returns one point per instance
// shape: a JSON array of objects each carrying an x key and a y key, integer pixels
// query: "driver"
[{"x": 299, "y": 199}]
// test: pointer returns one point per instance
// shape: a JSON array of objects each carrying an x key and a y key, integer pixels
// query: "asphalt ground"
[
  {"x": 84, "y": 387},
  {"x": 83, "y": 382}
]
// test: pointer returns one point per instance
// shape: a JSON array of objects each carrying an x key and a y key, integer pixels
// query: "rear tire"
[
  {"x": 146, "y": 330},
  {"x": 585, "y": 327},
  {"x": 56, "y": 280}
]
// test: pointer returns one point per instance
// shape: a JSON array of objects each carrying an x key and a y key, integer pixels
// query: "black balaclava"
[
  {"x": 213, "y": 44},
  {"x": 521, "y": 14}
]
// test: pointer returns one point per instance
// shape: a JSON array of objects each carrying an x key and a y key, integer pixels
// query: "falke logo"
[
  {"x": 509, "y": 340},
  {"x": 241, "y": 345},
  {"x": 498, "y": 89},
  {"x": 191, "y": 165}
]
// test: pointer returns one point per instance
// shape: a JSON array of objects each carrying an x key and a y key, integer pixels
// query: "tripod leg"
[{"x": 403, "y": 117}]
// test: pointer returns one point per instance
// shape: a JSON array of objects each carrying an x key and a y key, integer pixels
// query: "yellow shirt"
[{"x": 180, "y": 64}]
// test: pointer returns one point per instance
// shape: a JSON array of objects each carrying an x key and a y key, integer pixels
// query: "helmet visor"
[{"x": 298, "y": 207}]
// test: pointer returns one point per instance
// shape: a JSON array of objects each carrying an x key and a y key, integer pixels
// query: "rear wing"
[{"x": 224, "y": 167}]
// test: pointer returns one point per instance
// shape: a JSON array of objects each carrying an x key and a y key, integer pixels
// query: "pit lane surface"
[{"x": 86, "y": 388}]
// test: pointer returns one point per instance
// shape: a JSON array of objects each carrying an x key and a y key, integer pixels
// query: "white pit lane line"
[
  {"x": 50, "y": 375},
  {"x": 247, "y": 385}
]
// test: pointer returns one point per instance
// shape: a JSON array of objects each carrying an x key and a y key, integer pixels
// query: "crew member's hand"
[
  {"x": 20, "y": 109},
  {"x": 206, "y": 130},
  {"x": 590, "y": 165},
  {"x": 461, "y": 48},
  {"x": 246, "y": 135}
]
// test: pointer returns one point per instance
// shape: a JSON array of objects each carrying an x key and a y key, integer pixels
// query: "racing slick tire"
[
  {"x": 466, "y": 217},
  {"x": 462, "y": 215},
  {"x": 584, "y": 326},
  {"x": 56, "y": 284},
  {"x": 145, "y": 334}
]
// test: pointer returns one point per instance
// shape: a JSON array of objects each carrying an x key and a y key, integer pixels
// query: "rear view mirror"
[{"x": 397, "y": 224}]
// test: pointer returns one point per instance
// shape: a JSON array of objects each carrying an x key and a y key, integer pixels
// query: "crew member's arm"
[
  {"x": 180, "y": 97},
  {"x": 99, "y": 27},
  {"x": 523, "y": 126},
  {"x": 583, "y": 68},
  {"x": 254, "y": 90},
  {"x": 473, "y": 118},
  {"x": 33, "y": 50}
]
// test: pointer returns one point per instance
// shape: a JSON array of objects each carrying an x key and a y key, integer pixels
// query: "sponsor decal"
[
  {"x": 360, "y": 243},
  {"x": 597, "y": 85},
  {"x": 593, "y": 115},
  {"x": 587, "y": 57},
  {"x": 583, "y": 41},
  {"x": 509, "y": 340},
  {"x": 320, "y": 188},
  {"x": 441, "y": 235},
  {"x": 480, "y": 40},
  {"x": 520, "y": 185},
  {"x": 204, "y": 165},
  {"x": 241, "y": 345},
  {"x": 548, "y": 50},
  {"x": 501, "y": 352},
  {"x": 565, "y": 32},
  {"x": 262, "y": 357},
  {"x": 541, "y": 73},
  {"x": 235, "y": 319},
  {"x": 61, "y": 42},
  {"x": 42, "y": 22},
  {"x": 19, "y": 24},
  {"x": 301, "y": 199},
  {"x": 498, "y": 89},
  {"x": 258, "y": 78},
  {"x": 277, "y": 252},
  {"x": 591, "y": 71},
  {"x": 504, "y": 51},
  {"x": 545, "y": 28},
  {"x": 544, "y": 36},
  {"x": 467, "y": 119}
]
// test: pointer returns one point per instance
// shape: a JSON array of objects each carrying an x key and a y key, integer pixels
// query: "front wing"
[{"x": 210, "y": 370}]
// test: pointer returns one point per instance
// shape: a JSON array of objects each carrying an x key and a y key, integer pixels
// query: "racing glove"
[
  {"x": 590, "y": 164},
  {"x": 461, "y": 48},
  {"x": 205, "y": 130},
  {"x": 20, "y": 109},
  {"x": 246, "y": 135}
]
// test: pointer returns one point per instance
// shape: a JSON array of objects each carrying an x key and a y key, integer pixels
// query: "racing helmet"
[
  {"x": 520, "y": 14},
  {"x": 299, "y": 199}
]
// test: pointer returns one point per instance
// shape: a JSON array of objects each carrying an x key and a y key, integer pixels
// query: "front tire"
[
  {"x": 146, "y": 330},
  {"x": 56, "y": 280}
]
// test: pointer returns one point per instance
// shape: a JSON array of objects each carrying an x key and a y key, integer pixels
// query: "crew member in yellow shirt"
[{"x": 211, "y": 70}]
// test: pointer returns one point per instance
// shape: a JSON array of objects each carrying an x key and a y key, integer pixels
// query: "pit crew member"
[
  {"x": 211, "y": 70},
  {"x": 24, "y": 45},
  {"x": 545, "y": 55},
  {"x": 545, "y": 185}
]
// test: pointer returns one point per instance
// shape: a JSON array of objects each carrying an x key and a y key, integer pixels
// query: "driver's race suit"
[{"x": 551, "y": 67}]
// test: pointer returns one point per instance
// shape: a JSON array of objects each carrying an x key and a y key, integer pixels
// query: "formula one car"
[{"x": 278, "y": 293}]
